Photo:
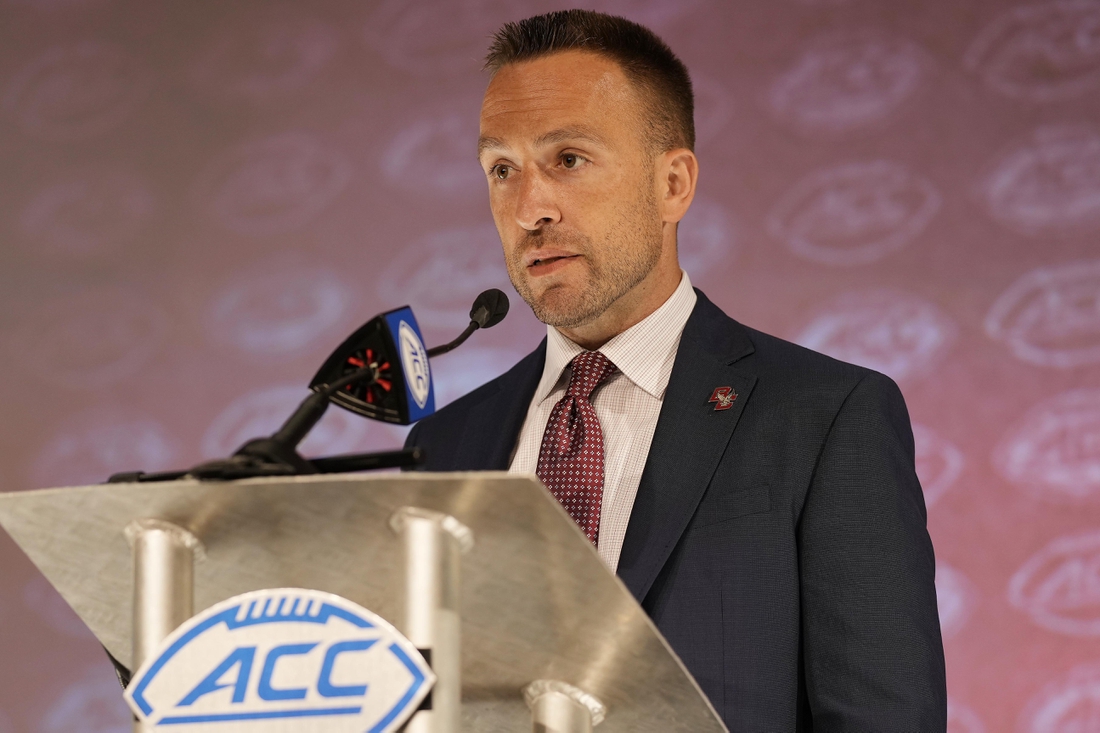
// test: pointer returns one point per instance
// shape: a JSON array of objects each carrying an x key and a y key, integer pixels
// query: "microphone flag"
[{"x": 400, "y": 390}]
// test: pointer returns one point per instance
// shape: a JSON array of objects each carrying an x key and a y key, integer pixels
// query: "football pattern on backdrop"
[{"x": 198, "y": 202}]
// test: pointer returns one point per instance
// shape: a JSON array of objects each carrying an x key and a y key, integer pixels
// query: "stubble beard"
[{"x": 629, "y": 254}]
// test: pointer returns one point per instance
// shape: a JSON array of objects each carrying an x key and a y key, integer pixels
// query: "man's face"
[{"x": 571, "y": 184}]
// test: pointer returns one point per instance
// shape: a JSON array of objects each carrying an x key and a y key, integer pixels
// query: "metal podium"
[{"x": 528, "y": 615}]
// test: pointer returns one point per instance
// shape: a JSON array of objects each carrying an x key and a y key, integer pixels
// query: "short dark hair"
[{"x": 646, "y": 60}]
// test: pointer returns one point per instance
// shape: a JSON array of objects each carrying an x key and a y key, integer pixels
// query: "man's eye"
[
  {"x": 500, "y": 171},
  {"x": 571, "y": 160}
]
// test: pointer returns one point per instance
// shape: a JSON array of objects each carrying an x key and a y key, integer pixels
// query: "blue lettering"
[
  {"x": 269, "y": 693},
  {"x": 242, "y": 656},
  {"x": 324, "y": 682}
]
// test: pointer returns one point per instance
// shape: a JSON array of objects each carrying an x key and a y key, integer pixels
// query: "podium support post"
[
  {"x": 433, "y": 544},
  {"x": 164, "y": 584}
]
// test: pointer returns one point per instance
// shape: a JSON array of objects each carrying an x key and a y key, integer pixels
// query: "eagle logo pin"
[{"x": 723, "y": 398}]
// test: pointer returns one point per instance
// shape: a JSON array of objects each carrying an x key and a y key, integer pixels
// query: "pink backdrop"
[{"x": 199, "y": 200}]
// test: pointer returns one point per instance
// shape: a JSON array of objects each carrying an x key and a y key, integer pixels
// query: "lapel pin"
[{"x": 723, "y": 398}]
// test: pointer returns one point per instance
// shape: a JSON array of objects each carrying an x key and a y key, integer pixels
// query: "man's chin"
[{"x": 564, "y": 309}]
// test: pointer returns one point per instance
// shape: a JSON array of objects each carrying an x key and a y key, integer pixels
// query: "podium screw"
[{"x": 557, "y": 707}]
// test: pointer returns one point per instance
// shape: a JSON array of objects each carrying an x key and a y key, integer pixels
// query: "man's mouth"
[
  {"x": 549, "y": 264},
  {"x": 544, "y": 259},
  {"x": 549, "y": 260}
]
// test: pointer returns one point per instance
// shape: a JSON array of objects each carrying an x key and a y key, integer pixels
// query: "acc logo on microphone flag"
[
  {"x": 414, "y": 360},
  {"x": 284, "y": 659}
]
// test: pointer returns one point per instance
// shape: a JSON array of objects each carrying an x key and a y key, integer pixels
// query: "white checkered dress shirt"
[{"x": 627, "y": 405}]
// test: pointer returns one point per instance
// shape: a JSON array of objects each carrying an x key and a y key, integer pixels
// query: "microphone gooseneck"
[{"x": 488, "y": 310}]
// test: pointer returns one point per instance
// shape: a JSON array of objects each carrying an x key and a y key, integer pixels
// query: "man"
[{"x": 757, "y": 498}]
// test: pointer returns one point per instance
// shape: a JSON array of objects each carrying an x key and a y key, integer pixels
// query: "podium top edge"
[{"x": 432, "y": 476}]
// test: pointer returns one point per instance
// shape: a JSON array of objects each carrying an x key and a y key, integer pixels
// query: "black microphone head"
[{"x": 490, "y": 308}]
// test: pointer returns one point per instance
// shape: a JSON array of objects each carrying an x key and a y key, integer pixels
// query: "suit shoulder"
[
  {"x": 809, "y": 375},
  {"x": 714, "y": 331},
  {"x": 776, "y": 353}
]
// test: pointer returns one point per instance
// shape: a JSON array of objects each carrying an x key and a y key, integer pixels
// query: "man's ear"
[{"x": 679, "y": 173}]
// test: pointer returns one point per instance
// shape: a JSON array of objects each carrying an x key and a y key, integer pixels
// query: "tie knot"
[{"x": 590, "y": 369}]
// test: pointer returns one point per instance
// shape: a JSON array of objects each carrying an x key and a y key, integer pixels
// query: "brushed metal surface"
[{"x": 537, "y": 602}]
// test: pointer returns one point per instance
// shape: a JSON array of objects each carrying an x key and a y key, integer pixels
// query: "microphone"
[{"x": 488, "y": 310}]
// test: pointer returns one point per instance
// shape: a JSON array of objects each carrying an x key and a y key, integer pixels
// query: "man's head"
[
  {"x": 661, "y": 79},
  {"x": 586, "y": 136}
]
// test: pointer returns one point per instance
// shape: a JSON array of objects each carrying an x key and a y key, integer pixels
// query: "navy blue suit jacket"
[{"x": 780, "y": 545}]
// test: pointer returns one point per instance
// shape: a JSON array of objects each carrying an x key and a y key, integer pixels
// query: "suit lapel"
[
  {"x": 689, "y": 441},
  {"x": 493, "y": 425}
]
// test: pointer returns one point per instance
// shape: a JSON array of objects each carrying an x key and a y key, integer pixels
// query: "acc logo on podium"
[{"x": 286, "y": 660}]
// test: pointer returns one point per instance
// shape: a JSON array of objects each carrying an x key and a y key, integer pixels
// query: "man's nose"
[{"x": 536, "y": 206}]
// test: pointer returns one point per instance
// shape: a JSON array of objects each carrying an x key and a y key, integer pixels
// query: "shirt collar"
[{"x": 644, "y": 353}]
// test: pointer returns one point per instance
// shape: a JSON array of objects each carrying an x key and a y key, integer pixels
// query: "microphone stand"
[{"x": 277, "y": 455}]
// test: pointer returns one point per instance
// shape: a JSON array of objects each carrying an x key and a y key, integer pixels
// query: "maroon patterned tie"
[{"x": 571, "y": 456}]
